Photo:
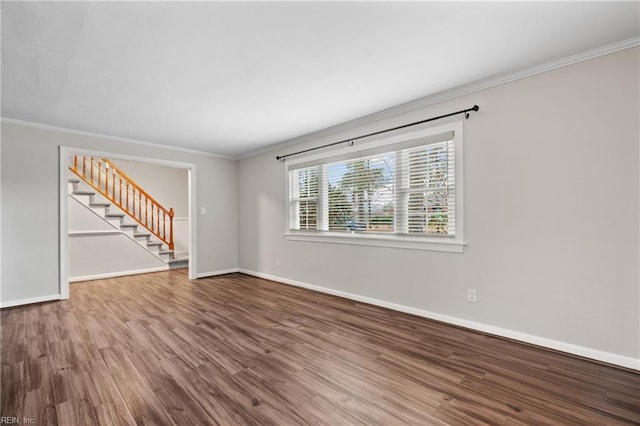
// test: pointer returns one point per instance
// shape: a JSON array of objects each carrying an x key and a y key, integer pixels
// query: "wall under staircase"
[{"x": 105, "y": 242}]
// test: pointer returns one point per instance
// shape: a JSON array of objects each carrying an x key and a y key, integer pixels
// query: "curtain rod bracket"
[
  {"x": 474, "y": 108},
  {"x": 351, "y": 141}
]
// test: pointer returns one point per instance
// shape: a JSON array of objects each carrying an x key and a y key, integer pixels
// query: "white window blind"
[
  {"x": 304, "y": 198},
  {"x": 406, "y": 191},
  {"x": 426, "y": 193}
]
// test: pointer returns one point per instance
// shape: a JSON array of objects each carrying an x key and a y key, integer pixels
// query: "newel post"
[{"x": 171, "y": 245}]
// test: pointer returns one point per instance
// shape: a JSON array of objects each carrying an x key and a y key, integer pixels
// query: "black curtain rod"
[{"x": 351, "y": 140}]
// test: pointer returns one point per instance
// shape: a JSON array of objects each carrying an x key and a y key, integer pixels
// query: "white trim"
[
  {"x": 103, "y": 136},
  {"x": 180, "y": 219},
  {"x": 128, "y": 157},
  {"x": 570, "y": 348},
  {"x": 117, "y": 274},
  {"x": 453, "y": 93},
  {"x": 88, "y": 233},
  {"x": 63, "y": 237},
  {"x": 193, "y": 228},
  {"x": 21, "y": 302},
  {"x": 214, "y": 273},
  {"x": 380, "y": 240}
]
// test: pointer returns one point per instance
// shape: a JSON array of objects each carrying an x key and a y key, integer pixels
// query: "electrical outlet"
[
  {"x": 277, "y": 263},
  {"x": 471, "y": 295}
]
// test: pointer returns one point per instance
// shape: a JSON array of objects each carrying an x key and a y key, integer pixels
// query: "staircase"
[{"x": 110, "y": 194}]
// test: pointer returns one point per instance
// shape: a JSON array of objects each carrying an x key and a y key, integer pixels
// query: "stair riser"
[
  {"x": 179, "y": 264},
  {"x": 129, "y": 231},
  {"x": 84, "y": 199},
  {"x": 154, "y": 249},
  {"x": 102, "y": 211},
  {"x": 142, "y": 240},
  {"x": 165, "y": 257}
]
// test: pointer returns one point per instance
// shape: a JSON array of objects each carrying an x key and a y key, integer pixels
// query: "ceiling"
[{"x": 235, "y": 77}]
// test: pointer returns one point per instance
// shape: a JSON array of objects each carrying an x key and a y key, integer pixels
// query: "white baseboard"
[
  {"x": 595, "y": 354},
  {"x": 21, "y": 302},
  {"x": 214, "y": 273},
  {"x": 117, "y": 274}
]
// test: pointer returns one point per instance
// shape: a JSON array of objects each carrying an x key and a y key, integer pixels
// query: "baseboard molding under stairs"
[{"x": 121, "y": 223}]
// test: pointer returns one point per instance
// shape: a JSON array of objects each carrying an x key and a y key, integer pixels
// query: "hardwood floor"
[{"x": 160, "y": 349}]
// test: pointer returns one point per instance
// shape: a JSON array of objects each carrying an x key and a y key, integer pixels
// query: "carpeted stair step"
[
  {"x": 179, "y": 263},
  {"x": 168, "y": 253},
  {"x": 99, "y": 204},
  {"x": 142, "y": 235},
  {"x": 129, "y": 228},
  {"x": 154, "y": 246}
]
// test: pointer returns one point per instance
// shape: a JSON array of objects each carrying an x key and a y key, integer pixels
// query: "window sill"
[{"x": 411, "y": 243}]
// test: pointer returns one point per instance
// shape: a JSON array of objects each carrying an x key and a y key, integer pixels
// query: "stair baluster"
[{"x": 118, "y": 177}]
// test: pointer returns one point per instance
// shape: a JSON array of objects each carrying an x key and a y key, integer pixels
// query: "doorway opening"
[{"x": 89, "y": 218}]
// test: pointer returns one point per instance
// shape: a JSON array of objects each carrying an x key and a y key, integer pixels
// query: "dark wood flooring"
[{"x": 160, "y": 349}]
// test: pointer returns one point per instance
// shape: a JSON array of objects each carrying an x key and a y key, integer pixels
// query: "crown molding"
[
  {"x": 456, "y": 92},
  {"x": 423, "y": 102},
  {"x": 109, "y": 137}
]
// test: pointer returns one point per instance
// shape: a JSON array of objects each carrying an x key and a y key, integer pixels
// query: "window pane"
[
  {"x": 308, "y": 183},
  {"x": 429, "y": 180},
  {"x": 428, "y": 213},
  {"x": 409, "y": 191},
  {"x": 308, "y": 215},
  {"x": 303, "y": 199},
  {"x": 340, "y": 209},
  {"x": 361, "y": 194}
]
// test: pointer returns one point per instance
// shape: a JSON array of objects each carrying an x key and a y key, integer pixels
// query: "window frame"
[{"x": 418, "y": 242}]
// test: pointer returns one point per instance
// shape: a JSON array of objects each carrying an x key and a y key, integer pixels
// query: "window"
[
  {"x": 402, "y": 194},
  {"x": 304, "y": 198}
]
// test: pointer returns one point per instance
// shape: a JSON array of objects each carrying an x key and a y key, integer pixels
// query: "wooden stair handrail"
[
  {"x": 135, "y": 185},
  {"x": 98, "y": 178}
]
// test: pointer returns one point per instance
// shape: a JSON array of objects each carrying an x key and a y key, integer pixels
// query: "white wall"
[
  {"x": 117, "y": 253},
  {"x": 97, "y": 249},
  {"x": 82, "y": 219},
  {"x": 30, "y": 210},
  {"x": 551, "y": 217},
  {"x": 170, "y": 187}
]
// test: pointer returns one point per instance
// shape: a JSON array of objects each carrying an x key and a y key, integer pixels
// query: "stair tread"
[
  {"x": 114, "y": 215},
  {"x": 166, "y": 251},
  {"x": 99, "y": 204},
  {"x": 73, "y": 180},
  {"x": 83, "y": 193},
  {"x": 142, "y": 234},
  {"x": 128, "y": 225},
  {"x": 154, "y": 243}
]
